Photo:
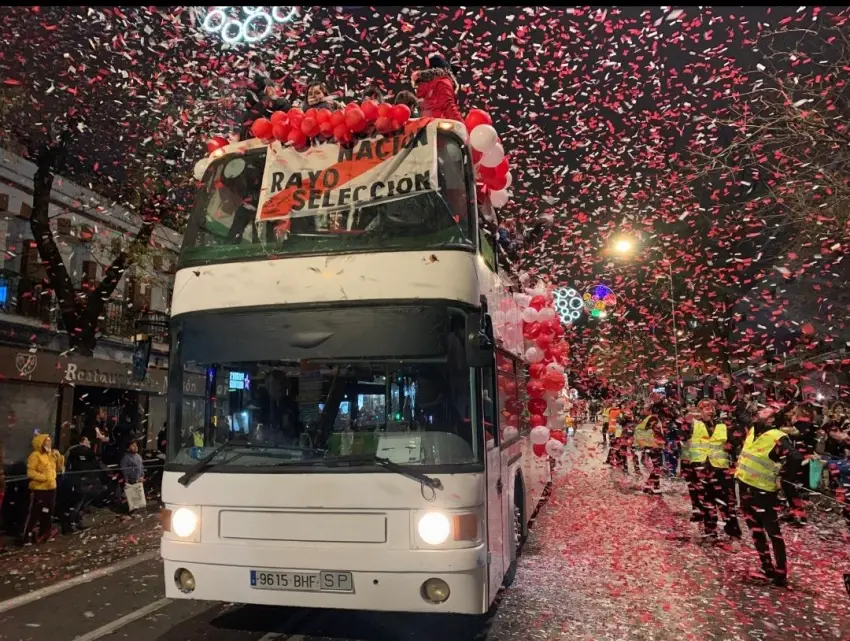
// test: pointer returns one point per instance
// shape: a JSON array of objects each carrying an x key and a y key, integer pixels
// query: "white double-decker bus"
[{"x": 344, "y": 419}]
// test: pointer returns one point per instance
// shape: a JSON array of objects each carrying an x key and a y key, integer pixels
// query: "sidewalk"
[
  {"x": 111, "y": 538},
  {"x": 606, "y": 562}
]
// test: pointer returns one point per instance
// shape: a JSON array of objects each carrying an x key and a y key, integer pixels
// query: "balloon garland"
[
  {"x": 492, "y": 171},
  {"x": 546, "y": 352},
  {"x": 297, "y": 127}
]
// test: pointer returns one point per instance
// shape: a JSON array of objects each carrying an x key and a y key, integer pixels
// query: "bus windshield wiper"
[
  {"x": 404, "y": 470},
  {"x": 205, "y": 462},
  {"x": 201, "y": 466}
]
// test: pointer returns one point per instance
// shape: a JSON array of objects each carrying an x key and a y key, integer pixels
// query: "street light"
[{"x": 625, "y": 246}]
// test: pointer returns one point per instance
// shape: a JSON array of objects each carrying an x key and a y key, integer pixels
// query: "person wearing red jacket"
[{"x": 436, "y": 89}]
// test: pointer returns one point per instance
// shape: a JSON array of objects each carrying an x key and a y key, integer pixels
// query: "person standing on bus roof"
[{"x": 436, "y": 88}]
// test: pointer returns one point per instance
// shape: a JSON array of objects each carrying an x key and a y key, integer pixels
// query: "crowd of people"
[
  {"x": 62, "y": 487},
  {"x": 762, "y": 462}
]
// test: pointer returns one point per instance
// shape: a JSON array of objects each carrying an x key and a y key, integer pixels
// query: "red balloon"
[
  {"x": 311, "y": 112},
  {"x": 309, "y": 127},
  {"x": 477, "y": 117},
  {"x": 355, "y": 120},
  {"x": 370, "y": 110},
  {"x": 350, "y": 106},
  {"x": 537, "y": 370},
  {"x": 281, "y": 131},
  {"x": 539, "y": 450},
  {"x": 531, "y": 330},
  {"x": 279, "y": 117},
  {"x": 323, "y": 116},
  {"x": 513, "y": 406},
  {"x": 559, "y": 329},
  {"x": 558, "y": 435},
  {"x": 554, "y": 381},
  {"x": 295, "y": 112},
  {"x": 476, "y": 157},
  {"x": 544, "y": 339},
  {"x": 497, "y": 183},
  {"x": 537, "y": 420},
  {"x": 326, "y": 129},
  {"x": 262, "y": 128},
  {"x": 216, "y": 142},
  {"x": 401, "y": 113},
  {"x": 808, "y": 329},
  {"x": 295, "y": 121},
  {"x": 385, "y": 110},
  {"x": 342, "y": 134},
  {"x": 537, "y": 406},
  {"x": 297, "y": 138},
  {"x": 337, "y": 119},
  {"x": 535, "y": 388},
  {"x": 538, "y": 302},
  {"x": 383, "y": 124}
]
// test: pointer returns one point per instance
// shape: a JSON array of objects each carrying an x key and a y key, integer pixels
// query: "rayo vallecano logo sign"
[{"x": 235, "y": 25}]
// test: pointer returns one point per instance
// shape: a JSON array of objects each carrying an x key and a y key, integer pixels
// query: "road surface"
[{"x": 604, "y": 562}]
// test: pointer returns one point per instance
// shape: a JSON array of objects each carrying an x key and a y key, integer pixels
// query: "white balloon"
[
  {"x": 491, "y": 442},
  {"x": 483, "y": 138},
  {"x": 493, "y": 157},
  {"x": 539, "y": 435},
  {"x": 545, "y": 314},
  {"x": 510, "y": 178},
  {"x": 554, "y": 448},
  {"x": 499, "y": 198},
  {"x": 556, "y": 367},
  {"x": 555, "y": 422},
  {"x": 201, "y": 168},
  {"x": 530, "y": 315},
  {"x": 509, "y": 433},
  {"x": 534, "y": 354},
  {"x": 523, "y": 300},
  {"x": 525, "y": 279}
]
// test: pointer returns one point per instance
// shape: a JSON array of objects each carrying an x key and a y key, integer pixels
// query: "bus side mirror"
[{"x": 479, "y": 340}]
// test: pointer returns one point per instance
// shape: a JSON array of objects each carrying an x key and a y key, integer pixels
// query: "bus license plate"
[{"x": 324, "y": 581}]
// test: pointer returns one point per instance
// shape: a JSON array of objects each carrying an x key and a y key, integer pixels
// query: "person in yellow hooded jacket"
[{"x": 43, "y": 465}]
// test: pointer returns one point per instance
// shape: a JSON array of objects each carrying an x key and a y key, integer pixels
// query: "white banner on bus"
[{"x": 331, "y": 177}]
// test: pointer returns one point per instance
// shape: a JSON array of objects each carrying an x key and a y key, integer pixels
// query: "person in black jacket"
[
  {"x": 263, "y": 99},
  {"x": 82, "y": 484}
]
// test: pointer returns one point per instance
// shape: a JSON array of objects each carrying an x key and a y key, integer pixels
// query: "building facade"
[{"x": 44, "y": 385}]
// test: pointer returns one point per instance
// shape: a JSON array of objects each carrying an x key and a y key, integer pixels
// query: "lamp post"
[{"x": 625, "y": 246}]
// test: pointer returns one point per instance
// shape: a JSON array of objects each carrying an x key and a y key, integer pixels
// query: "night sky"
[{"x": 600, "y": 111}]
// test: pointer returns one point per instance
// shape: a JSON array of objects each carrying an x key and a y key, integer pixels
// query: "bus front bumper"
[{"x": 398, "y": 586}]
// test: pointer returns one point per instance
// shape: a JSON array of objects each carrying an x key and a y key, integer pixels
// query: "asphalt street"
[{"x": 603, "y": 562}]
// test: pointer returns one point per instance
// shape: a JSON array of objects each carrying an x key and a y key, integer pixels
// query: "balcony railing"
[{"x": 17, "y": 296}]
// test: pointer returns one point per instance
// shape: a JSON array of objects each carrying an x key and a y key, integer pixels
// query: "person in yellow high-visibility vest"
[
  {"x": 767, "y": 453},
  {"x": 709, "y": 455},
  {"x": 650, "y": 438}
]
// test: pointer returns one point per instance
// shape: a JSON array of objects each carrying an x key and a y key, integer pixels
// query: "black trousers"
[
  {"x": 604, "y": 432},
  {"x": 39, "y": 514},
  {"x": 711, "y": 490},
  {"x": 656, "y": 465},
  {"x": 761, "y": 512}
]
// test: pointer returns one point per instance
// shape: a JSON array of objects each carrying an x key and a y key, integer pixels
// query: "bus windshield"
[
  {"x": 223, "y": 225},
  {"x": 281, "y": 413}
]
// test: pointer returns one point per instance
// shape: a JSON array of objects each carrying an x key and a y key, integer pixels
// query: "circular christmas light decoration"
[
  {"x": 250, "y": 26},
  {"x": 568, "y": 304},
  {"x": 598, "y": 300}
]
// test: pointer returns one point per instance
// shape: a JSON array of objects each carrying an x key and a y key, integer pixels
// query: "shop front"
[{"x": 49, "y": 392}]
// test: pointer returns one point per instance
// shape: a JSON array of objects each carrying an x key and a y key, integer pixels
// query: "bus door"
[{"x": 495, "y": 482}]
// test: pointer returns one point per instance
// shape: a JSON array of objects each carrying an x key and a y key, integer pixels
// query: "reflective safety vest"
[
  {"x": 755, "y": 466},
  {"x": 645, "y": 437},
  {"x": 702, "y": 446},
  {"x": 198, "y": 438}
]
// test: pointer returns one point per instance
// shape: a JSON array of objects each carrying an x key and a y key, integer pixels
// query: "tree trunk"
[{"x": 51, "y": 257}]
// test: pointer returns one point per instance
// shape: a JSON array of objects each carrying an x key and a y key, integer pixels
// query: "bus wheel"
[{"x": 516, "y": 535}]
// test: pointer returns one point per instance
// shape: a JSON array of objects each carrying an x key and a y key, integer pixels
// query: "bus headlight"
[
  {"x": 434, "y": 528},
  {"x": 184, "y": 522}
]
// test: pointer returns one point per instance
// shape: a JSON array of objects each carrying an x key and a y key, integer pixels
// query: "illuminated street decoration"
[
  {"x": 236, "y": 25},
  {"x": 599, "y": 300},
  {"x": 568, "y": 304}
]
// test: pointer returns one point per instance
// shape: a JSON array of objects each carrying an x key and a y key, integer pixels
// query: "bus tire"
[{"x": 517, "y": 533}]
